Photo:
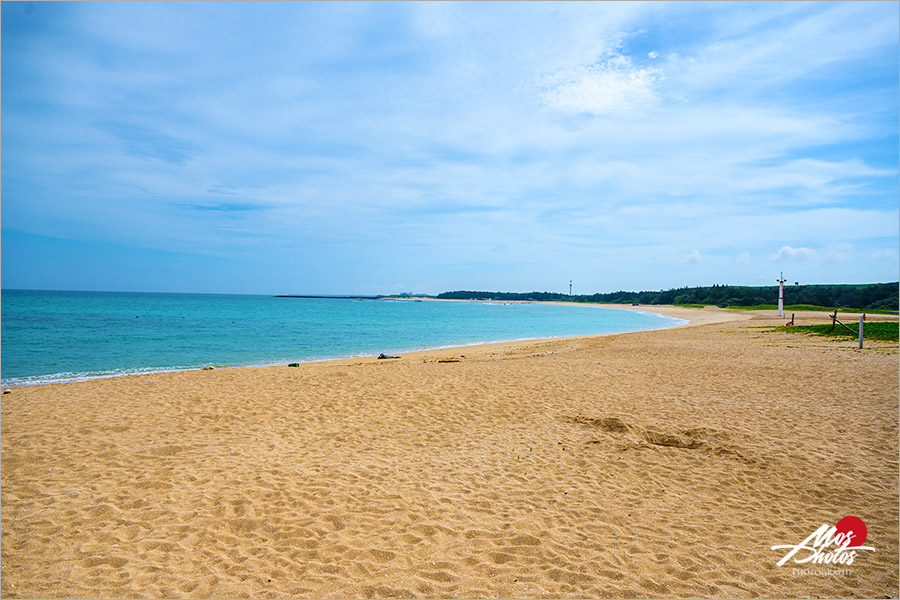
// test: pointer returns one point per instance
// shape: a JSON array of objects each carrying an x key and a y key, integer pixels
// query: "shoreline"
[
  {"x": 692, "y": 317},
  {"x": 675, "y": 311}
]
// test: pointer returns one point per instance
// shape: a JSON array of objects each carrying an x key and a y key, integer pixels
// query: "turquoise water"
[{"x": 64, "y": 336}]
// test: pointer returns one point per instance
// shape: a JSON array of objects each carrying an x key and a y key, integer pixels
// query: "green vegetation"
[
  {"x": 864, "y": 297},
  {"x": 871, "y": 331}
]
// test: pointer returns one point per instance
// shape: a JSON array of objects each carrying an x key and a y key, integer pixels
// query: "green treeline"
[{"x": 865, "y": 296}]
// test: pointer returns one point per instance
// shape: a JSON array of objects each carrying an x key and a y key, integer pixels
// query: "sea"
[{"x": 59, "y": 336}]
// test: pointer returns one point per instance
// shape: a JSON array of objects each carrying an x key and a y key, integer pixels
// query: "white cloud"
[
  {"x": 653, "y": 54},
  {"x": 611, "y": 85},
  {"x": 691, "y": 258},
  {"x": 744, "y": 258},
  {"x": 788, "y": 253},
  {"x": 884, "y": 253}
]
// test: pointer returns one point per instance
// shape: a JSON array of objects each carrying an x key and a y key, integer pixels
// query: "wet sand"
[{"x": 654, "y": 464}]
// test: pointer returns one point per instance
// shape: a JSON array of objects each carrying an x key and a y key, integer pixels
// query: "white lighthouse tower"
[{"x": 781, "y": 295}]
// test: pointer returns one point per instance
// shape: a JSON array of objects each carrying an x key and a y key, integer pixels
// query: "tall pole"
[
  {"x": 781, "y": 295},
  {"x": 570, "y": 287}
]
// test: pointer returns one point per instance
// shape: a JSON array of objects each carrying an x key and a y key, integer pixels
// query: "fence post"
[{"x": 861, "y": 319}]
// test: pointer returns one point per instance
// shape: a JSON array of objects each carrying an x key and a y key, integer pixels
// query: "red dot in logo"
[{"x": 855, "y": 527}]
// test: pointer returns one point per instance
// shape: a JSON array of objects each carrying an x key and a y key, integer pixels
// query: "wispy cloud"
[
  {"x": 884, "y": 253},
  {"x": 788, "y": 253},
  {"x": 146, "y": 143},
  {"x": 611, "y": 85},
  {"x": 691, "y": 258}
]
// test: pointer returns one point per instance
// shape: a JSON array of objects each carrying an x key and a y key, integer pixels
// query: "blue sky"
[{"x": 383, "y": 148}]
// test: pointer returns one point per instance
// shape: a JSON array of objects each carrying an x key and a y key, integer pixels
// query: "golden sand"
[{"x": 655, "y": 464}]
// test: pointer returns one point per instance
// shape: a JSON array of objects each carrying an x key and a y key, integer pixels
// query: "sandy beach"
[{"x": 654, "y": 464}]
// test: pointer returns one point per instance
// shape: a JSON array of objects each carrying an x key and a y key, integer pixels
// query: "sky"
[{"x": 381, "y": 148}]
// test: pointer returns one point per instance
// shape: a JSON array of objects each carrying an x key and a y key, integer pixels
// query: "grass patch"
[{"x": 884, "y": 331}]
